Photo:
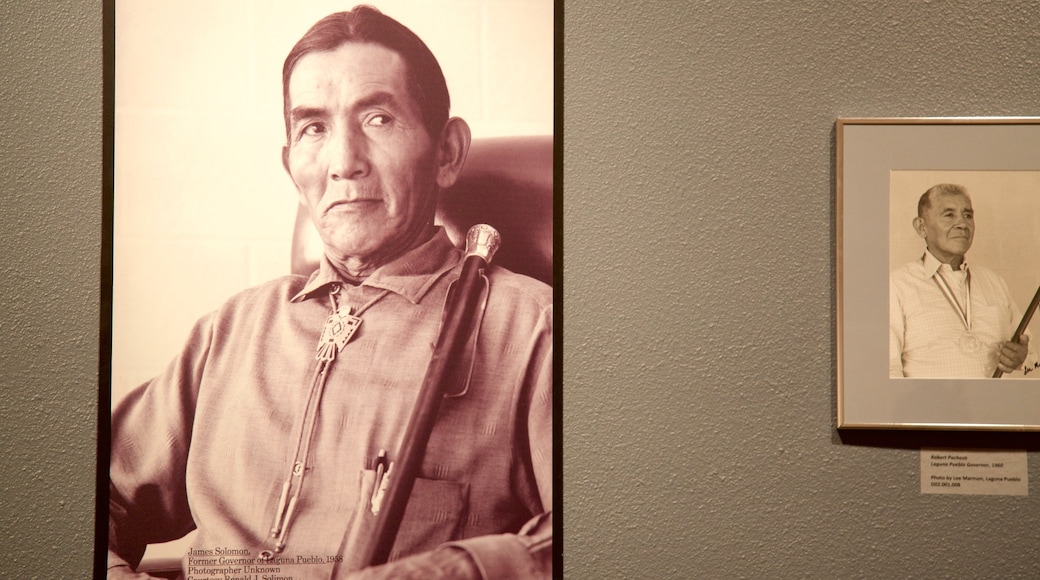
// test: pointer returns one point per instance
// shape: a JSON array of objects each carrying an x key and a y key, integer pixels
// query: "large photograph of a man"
[
  {"x": 961, "y": 274},
  {"x": 267, "y": 437}
]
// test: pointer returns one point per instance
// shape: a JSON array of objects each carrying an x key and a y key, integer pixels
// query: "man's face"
[
  {"x": 948, "y": 226},
  {"x": 359, "y": 155}
]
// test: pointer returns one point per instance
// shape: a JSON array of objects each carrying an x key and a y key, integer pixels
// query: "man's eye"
[
  {"x": 379, "y": 120},
  {"x": 313, "y": 129}
]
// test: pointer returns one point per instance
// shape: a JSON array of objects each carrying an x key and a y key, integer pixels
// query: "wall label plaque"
[{"x": 974, "y": 472}]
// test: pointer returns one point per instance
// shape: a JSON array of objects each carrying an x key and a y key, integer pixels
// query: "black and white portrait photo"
[
  {"x": 318, "y": 369},
  {"x": 961, "y": 273}
]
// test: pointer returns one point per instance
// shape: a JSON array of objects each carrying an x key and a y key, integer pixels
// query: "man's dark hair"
[
  {"x": 925, "y": 202},
  {"x": 367, "y": 25}
]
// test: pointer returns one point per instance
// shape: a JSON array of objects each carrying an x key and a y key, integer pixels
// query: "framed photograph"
[
  {"x": 938, "y": 273},
  {"x": 222, "y": 161}
]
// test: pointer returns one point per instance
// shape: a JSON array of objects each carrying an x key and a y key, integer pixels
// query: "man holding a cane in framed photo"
[
  {"x": 280, "y": 429},
  {"x": 948, "y": 320}
]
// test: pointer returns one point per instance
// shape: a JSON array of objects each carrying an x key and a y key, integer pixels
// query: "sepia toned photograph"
[
  {"x": 939, "y": 235},
  {"x": 333, "y": 280},
  {"x": 959, "y": 276}
]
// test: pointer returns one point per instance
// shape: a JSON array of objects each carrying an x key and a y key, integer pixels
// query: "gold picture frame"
[{"x": 883, "y": 166}]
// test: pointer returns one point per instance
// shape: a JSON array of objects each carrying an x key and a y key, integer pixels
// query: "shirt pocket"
[{"x": 436, "y": 513}]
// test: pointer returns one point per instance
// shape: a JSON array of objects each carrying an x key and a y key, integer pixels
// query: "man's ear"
[
  {"x": 452, "y": 151},
  {"x": 919, "y": 227}
]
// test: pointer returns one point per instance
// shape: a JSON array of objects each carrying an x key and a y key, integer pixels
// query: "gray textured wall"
[{"x": 699, "y": 295}]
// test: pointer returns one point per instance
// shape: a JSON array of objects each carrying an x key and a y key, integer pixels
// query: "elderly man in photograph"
[
  {"x": 946, "y": 320},
  {"x": 275, "y": 429}
]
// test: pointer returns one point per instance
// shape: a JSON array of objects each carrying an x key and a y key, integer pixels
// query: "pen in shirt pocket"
[{"x": 380, "y": 469}]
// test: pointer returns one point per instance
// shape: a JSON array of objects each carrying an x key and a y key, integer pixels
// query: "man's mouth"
[{"x": 352, "y": 204}]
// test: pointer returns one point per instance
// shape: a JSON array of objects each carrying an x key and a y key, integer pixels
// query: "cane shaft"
[{"x": 461, "y": 316}]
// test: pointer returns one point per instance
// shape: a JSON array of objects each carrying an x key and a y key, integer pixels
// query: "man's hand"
[
  {"x": 440, "y": 564},
  {"x": 1012, "y": 354}
]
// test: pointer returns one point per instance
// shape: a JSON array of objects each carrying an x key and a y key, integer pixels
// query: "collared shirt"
[
  {"x": 209, "y": 443},
  {"x": 927, "y": 336}
]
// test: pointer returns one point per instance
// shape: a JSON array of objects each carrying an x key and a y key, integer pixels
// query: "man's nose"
[{"x": 347, "y": 155}]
